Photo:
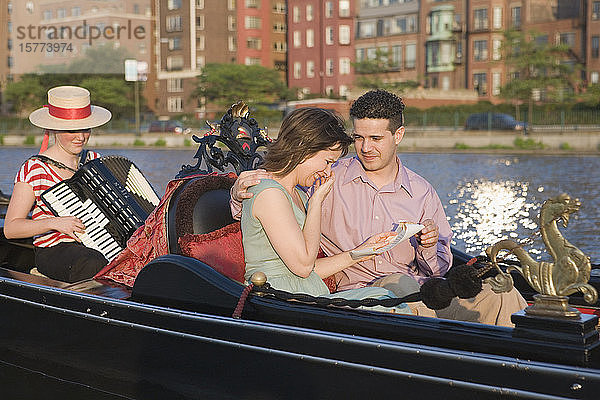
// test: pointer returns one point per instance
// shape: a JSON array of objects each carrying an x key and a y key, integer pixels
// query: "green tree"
[
  {"x": 25, "y": 94},
  {"x": 111, "y": 93},
  {"x": 376, "y": 73},
  {"x": 98, "y": 59},
  {"x": 538, "y": 70},
  {"x": 224, "y": 84}
]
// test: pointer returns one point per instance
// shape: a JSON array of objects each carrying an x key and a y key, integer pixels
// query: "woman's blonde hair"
[{"x": 304, "y": 132}]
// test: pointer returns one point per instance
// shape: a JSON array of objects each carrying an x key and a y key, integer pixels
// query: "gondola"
[{"x": 173, "y": 335}]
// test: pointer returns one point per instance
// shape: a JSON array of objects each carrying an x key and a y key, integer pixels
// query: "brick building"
[{"x": 320, "y": 46}]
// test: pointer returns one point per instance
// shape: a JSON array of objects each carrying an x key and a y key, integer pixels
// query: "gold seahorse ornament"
[{"x": 569, "y": 272}]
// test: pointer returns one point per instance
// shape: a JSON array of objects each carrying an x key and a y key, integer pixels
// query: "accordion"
[{"x": 110, "y": 196}]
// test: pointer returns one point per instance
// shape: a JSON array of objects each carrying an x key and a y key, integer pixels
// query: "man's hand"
[
  {"x": 428, "y": 237},
  {"x": 239, "y": 191}
]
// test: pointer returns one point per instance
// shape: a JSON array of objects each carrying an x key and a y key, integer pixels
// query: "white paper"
[{"x": 404, "y": 232}]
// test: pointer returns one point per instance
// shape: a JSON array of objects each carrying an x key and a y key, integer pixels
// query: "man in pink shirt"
[{"x": 374, "y": 190}]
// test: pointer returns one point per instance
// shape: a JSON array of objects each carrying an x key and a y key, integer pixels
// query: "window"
[
  {"x": 344, "y": 10},
  {"x": 310, "y": 69},
  {"x": 480, "y": 83},
  {"x": 252, "y": 61},
  {"x": 9, "y": 44},
  {"x": 310, "y": 38},
  {"x": 411, "y": 56},
  {"x": 279, "y": 8},
  {"x": 309, "y": 12},
  {"x": 9, "y": 7},
  {"x": 10, "y": 62},
  {"x": 296, "y": 14},
  {"x": 480, "y": 50},
  {"x": 596, "y": 10},
  {"x": 480, "y": 19},
  {"x": 329, "y": 90},
  {"x": 200, "y": 22},
  {"x": 200, "y": 4},
  {"x": 231, "y": 5},
  {"x": 175, "y": 43},
  {"x": 254, "y": 43},
  {"x": 396, "y": 56},
  {"x": 200, "y": 62},
  {"x": 173, "y": 4},
  {"x": 329, "y": 35},
  {"x": 496, "y": 45},
  {"x": 297, "y": 39},
  {"x": 75, "y": 11},
  {"x": 344, "y": 65},
  {"x": 366, "y": 29},
  {"x": 594, "y": 77},
  {"x": 252, "y": 22},
  {"x": 328, "y": 9},
  {"x": 515, "y": 17},
  {"x": 344, "y": 34},
  {"x": 343, "y": 90},
  {"x": 252, "y": 3},
  {"x": 231, "y": 43},
  {"x": 360, "y": 55},
  {"x": 231, "y": 22},
  {"x": 297, "y": 70},
  {"x": 47, "y": 15},
  {"x": 175, "y": 85},
  {"x": 174, "y": 104},
  {"x": 279, "y": 47},
  {"x": 174, "y": 23},
  {"x": 497, "y": 18},
  {"x": 567, "y": 39},
  {"x": 61, "y": 13},
  {"x": 174, "y": 63},
  {"x": 496, "y": 80},
  {"x": 279, "y": 27},
  {"x": 200, "y": 40},
  {"x": 595, "y": 46},
  {"x": 329, "y": 67},
  {"x": 445, "y": 83}
]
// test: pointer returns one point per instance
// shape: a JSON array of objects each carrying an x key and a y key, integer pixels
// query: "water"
[{"x": 487, "y": 197}]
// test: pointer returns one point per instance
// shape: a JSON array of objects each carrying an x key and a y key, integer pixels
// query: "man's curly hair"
[{"x": 379, "y": 104}]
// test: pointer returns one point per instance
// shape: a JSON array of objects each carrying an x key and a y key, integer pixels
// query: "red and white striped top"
[{"x": 41, "y": 177}]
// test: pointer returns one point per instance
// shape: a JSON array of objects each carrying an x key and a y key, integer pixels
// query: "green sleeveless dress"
[{"x": 261, "y": 256}]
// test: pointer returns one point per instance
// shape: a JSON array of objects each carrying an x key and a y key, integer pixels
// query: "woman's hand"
[
  {"x": 68, "y": 226},
  {"x": 375, "y": 242},
  {"x": 322, "y": 187}
]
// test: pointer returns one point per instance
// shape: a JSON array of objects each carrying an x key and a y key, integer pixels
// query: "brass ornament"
[{"x": 569, "y": 272}]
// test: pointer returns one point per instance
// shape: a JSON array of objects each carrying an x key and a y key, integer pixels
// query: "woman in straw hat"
[{"x": 59, "y": 254}]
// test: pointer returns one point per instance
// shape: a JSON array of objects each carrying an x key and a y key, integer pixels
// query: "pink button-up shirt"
[{"x": 355, "y": 209}]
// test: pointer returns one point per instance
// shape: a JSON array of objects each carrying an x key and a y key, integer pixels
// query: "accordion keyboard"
[{"x": 110, "y": 196}]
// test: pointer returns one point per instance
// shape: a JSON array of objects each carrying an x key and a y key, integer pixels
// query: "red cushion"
[{"x": 221, "y": 249}]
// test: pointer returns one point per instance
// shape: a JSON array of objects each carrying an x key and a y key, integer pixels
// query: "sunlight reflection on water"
[{"x": 489, "y": 211}]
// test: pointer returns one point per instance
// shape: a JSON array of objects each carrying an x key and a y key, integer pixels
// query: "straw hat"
[{"x": 69, "y": 109}]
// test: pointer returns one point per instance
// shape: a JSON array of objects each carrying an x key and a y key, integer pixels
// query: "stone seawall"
[{"x": 413, "y": 140}]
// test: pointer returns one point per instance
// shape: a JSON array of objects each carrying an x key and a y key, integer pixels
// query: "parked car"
[
  {"x": 497, "y": 121},
  {"x": 170, "y": 126}
]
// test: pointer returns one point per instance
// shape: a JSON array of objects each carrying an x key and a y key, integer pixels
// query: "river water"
[{"x": 487, "y": 197}]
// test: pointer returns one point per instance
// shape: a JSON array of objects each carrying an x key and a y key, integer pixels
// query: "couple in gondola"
[{"x": 352, "y": 204}]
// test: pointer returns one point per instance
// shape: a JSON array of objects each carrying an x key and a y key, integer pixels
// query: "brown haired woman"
[{"x": 281, "y": 228}]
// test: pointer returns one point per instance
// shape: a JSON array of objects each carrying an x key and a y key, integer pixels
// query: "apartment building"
[
  {"x": 191, "y": 33},
  {"x": 261, "y": 33},
  {"x": 320, "y": 46},
  {"x": 58, "y": 32},
  {"x": 390, "y": 29}
]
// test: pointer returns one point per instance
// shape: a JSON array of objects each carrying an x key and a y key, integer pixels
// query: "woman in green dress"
[{"x": 281, "y": 226}]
